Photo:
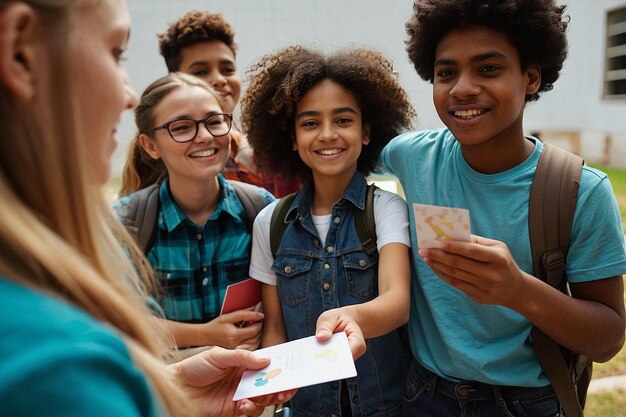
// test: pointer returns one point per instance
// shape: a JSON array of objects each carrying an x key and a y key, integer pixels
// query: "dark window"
[{"x": 615, "y": 66}]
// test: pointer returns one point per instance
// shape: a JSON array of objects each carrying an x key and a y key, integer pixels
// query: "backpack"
[
  {"x": 557, "y": 177},
  {"x": 364, "y": 222},
  {"x": 556, "y": 181},
  {"x": 140, "y": 217}
]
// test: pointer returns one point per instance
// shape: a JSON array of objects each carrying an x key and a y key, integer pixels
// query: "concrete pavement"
[{"x": 608, "y": 383}]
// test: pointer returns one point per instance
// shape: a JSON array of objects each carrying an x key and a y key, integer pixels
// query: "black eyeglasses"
[{"x": 186, "y": 130}]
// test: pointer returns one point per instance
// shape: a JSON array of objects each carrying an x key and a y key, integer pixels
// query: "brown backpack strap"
[{"x": 550, "y": 217}]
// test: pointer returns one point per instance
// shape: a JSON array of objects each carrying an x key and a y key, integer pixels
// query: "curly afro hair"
[
  {"x": 280, "y": 80},
  {"x": 193, "y": 27},
  {"x": 536, "y": 27}
]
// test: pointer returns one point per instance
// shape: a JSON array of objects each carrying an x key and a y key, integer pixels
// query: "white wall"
[
  {"x": 576, "y": 101},
  {"x": 263, "y": 26}
]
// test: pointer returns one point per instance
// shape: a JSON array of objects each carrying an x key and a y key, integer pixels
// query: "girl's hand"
[
  {"x": 210, "y": 378},
  {"x": 239, "y": 329},
  {"x": 339, "y": 320}
]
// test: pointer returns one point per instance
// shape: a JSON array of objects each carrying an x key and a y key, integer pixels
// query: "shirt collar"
[
  {"x": 173, "y": 215},
  {"x": 354, "y": 194}
]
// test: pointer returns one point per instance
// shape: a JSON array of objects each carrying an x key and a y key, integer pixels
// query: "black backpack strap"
[
  {"x": 550, "y": 216},
  {"x": 366, "y": 224},
  {"x": 251, "y": 199},
  {"x": 278, "y": 222},
  {"x": 140, "y": 216}
]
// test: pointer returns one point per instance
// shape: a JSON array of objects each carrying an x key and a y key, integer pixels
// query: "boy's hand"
[{"x": 483, "y": 269}]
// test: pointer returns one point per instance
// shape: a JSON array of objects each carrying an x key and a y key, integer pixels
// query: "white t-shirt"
[{"x": 392, "y": 226}]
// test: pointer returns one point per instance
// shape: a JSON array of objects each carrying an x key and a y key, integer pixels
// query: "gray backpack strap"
[
  {"x": 278, "y": 223},
  {"x": 550, "y": 216},
  {"x": 140, "y": 216},
  {"x": 251, "y": 199}
]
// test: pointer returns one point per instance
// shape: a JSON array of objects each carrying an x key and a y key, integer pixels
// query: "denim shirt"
[{"x": 314, "y": 276}]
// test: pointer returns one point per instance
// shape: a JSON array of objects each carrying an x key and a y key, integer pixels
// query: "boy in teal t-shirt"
[{"x": 473, "y": 304}]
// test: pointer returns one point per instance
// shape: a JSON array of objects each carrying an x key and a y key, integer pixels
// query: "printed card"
[
  {"x": 435, "y": 224},
  {"x": 297, "y": 364},
  {"x": 241, "y": 296}
]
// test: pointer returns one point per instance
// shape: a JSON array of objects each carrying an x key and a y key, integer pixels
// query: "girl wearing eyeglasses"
[{"x": 202, "y": 239}]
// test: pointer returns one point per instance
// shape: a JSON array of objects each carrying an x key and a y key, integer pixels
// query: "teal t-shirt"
[
  {"x": 56, "y": 360},
  {"x": 451, "y": 334}
]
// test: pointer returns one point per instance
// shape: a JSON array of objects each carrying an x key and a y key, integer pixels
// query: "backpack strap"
[
  {"x": 140, "y": 216},
  {"x": 555, "y": 183},
  {"x": 140, "y": 219},
  {"x": 278, "y": 225},
  {"x": 365, "y": 222},
  {"x": 251, "y": 199}
]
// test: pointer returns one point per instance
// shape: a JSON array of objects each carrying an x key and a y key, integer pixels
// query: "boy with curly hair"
[
  {"x": 203, "y": 44},
  {"x": 473, "y": 304}
]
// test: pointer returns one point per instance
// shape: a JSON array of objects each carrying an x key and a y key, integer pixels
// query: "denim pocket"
[
  {"x": 292, "y": 276},
  {"x": 544, "y": 404},
  {"x": 416, "y": 385},
  {"x": 361, "y": 275}
]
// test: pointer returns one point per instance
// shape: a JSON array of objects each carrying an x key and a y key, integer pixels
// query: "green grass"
[
  {"x": 617, "y": 365},
  {"x": 611, "y": 403},
  {"x": 606, "y": 404},
  {"x": 618, "y": 181}
]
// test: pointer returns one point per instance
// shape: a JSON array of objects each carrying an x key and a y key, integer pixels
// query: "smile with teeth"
[
  {"x": 203, "y": 154},
  {"x": 469, "y": 114},
  {"x": 330, "y": 151}
]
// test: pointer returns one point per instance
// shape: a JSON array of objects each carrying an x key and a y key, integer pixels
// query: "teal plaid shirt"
[{"x": 194, "y": 264}]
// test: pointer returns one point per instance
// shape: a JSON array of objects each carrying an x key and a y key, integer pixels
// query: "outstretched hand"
[
  {"x": 210, "y": 378},
  {"x": 338, "y": 320}
]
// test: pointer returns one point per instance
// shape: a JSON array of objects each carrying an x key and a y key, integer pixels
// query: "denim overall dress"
[{"x": 315, "y": 276}]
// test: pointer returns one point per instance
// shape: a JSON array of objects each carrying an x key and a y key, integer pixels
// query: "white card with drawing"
[
  {"x": 299, "y": 363},
  {"x": 435, "y": 224}
]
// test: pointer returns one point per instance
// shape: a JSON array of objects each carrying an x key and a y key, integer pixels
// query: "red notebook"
[{"x": 241, "y": 296}]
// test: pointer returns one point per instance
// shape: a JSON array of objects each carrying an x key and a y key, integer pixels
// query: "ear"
[
  {"x": 534, "y": 79},
  {"x": 18, "y": 49},
  {"x": 148, "y": 145},
  {"x": 366, "y": 135}
]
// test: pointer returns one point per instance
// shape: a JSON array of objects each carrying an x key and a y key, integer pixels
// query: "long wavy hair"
[{"x": 57, "y": 233}]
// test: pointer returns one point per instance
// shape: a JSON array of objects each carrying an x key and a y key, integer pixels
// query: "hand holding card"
[
  {"x": 435, "y": 224},
  {"x": 242, "y": 296},
  {"x": 297, "y": 364}
]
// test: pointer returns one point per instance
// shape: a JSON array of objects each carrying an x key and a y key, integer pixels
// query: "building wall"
[{"x": 263, "y": 26}]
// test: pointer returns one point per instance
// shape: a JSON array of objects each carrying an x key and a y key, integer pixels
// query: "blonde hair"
[{"x": 57, "y": 233}]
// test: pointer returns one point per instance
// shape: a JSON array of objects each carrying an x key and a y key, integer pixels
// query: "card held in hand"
[
  {"x": 243, "y": 295},
  {"x": 435, "y": 224}
]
